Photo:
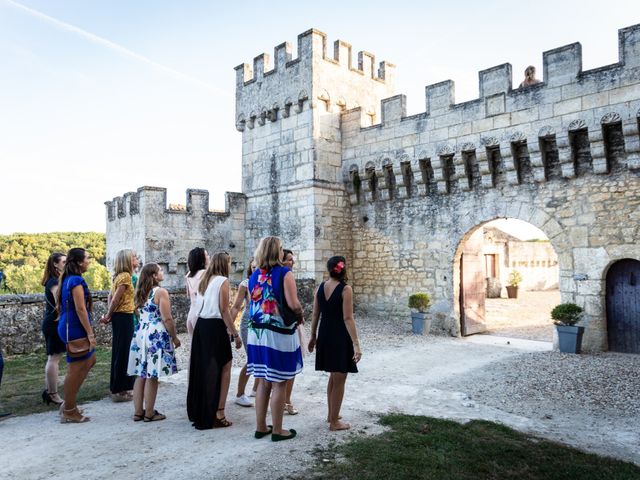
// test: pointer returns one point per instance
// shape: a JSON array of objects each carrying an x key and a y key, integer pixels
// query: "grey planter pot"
[
  {"x": 570, "y": 338},
  {"x": 420, "y": 323}
]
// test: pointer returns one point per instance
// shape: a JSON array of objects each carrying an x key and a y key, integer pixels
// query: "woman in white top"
[
  {"x": 197, "y": 263},
  {"x": 210, "y": 363}
]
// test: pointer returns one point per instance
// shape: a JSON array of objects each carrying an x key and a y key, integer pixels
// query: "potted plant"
[
  {"x": 515, "y": 278},
  {"x": 419, "y": 304},
  {"x": 565, "y": 316}
]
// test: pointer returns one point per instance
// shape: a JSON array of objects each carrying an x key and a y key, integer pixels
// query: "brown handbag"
[{"x": 78, "y": 347}]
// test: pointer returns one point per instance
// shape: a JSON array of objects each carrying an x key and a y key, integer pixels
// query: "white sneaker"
[
  {"x": 253, "y": 393},
  {"x": 243, "y": 401}
]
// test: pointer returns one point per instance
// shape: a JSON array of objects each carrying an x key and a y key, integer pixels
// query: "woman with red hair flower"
[{"x": 338, "y": 348}]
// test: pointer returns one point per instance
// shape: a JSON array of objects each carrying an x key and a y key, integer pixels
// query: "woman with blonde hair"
[
  {"x": 54, "y": 344},
  {"x": 152, "y": 347},
  {"x": 273, "y": 351},
  {"x": 210, "y": 363},
  {"x": 121, "y": 317}
]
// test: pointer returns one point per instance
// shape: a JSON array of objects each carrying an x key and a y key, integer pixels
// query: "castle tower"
[{"x": 290, "y": 118}]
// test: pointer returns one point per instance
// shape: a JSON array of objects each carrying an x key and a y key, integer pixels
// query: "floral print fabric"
[{"x": 151, "y": 354}]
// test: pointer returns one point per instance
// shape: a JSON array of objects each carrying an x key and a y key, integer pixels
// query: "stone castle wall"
[
  {"x": 332, "y": 164},
  {"x": 143, "y": 221}
]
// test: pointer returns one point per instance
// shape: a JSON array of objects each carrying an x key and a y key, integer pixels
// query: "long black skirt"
[
  {"x": 122, "y": 331},
  {"x": 210, "y": 352}
]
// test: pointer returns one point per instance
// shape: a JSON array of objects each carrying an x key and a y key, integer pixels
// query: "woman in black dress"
[
  {"x": 55, "y": 346},
  {"x": 338, "y": 348}
]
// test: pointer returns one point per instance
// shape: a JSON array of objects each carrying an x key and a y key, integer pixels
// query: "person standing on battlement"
[{"x": 529, "y": 77}]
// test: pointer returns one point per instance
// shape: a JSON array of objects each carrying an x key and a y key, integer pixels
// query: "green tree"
[
  {"x": 23, "y": 278},
  {"x": 97, "y": 277}
]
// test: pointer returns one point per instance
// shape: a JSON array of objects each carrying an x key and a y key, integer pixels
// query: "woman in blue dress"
[
  {"x": 273, "y": 348},
  {"x": 74, "y": 307}
]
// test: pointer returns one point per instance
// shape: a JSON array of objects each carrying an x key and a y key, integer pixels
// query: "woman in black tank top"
[{"x": 336, "y": 341}]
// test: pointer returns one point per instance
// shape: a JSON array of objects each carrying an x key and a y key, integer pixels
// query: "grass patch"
[
  {"x": 23, "y": 382},
  {"x": 427, "y": 448}
]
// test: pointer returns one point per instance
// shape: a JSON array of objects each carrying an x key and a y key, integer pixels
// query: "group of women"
[{"x": 270, "y": 330}]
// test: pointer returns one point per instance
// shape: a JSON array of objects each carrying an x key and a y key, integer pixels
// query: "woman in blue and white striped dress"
[{"x": 273, "y": 348}]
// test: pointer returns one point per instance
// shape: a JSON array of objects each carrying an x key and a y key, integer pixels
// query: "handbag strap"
[{"x": 67, "y": 309}]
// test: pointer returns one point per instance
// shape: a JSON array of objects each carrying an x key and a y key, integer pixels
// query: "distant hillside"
[{"x": 23, "y": 257}]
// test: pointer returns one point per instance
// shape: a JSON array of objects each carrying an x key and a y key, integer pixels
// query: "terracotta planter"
[{"x": 512, "y": 292}]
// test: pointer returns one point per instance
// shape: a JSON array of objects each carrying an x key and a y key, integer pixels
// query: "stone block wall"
[{"x": 143, "y": 221}]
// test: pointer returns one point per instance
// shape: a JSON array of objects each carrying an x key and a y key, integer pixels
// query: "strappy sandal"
[
  {"x": 78, "y": 418},
  {"x": 138, "y": 417},
  {"x": 221, "y": 422},
  {"x": 289, "y": 408},
  {"x": 156, "y": 417}
]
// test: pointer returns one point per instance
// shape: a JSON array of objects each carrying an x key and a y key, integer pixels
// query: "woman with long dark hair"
[
  {"x": 210, "y": 363},
  {"x": 120, "y": 314},
  {"x": 54, "y": 345},
  {"x": 73, "y": 301},
  {"x": 197, "y": 263},
  {"x": 338, "y": 347},
  {"x": 152, "y": 347}
]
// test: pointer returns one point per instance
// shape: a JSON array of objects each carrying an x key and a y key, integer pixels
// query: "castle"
[{"x": 332, "y": 164}]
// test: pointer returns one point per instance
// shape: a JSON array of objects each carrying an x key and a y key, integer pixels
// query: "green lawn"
[
  {"x": 428, "y": 448},
  {"x": 23, "y": 382}
]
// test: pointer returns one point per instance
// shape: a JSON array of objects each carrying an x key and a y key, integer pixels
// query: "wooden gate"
[
  {"x": 472, "y": 285},
  {"x": 623, "y": 306}
]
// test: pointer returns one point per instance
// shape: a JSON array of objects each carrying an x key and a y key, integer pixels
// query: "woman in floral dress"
[{"x": 152, "y": 347}]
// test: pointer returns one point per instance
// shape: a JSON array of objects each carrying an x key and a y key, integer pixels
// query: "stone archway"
[{"x": 472, "y": 223}]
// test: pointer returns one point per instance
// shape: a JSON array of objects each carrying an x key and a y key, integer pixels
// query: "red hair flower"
[{"x": 338, "y": 268}]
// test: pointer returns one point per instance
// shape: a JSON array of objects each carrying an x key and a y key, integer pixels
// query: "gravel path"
[{"x": 444, "y": 377}]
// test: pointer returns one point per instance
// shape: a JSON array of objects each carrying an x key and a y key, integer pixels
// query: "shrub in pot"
[
  {"x": 419, "y": 304},
  {"x": 565, "y": 316},
  {"x": 515, "y": 279}
]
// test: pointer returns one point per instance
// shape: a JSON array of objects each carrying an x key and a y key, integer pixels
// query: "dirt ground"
[
  {"x": 399, "y": 373},
  {"x": 528, "y": 316}
]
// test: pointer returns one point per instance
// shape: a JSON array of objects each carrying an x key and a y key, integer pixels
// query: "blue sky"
[{"x": 98, "y": 98}]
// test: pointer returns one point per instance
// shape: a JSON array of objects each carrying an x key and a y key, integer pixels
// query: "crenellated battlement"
[
  {"x": 153, "y": 200},
  {"x": 572, "y": 123},
  {"x": 269, "y": 91}
]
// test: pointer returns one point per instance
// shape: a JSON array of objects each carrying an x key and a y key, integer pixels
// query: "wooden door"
[
  {"x": 623, "y": 306},
  {"x": 472, "y": 285}
]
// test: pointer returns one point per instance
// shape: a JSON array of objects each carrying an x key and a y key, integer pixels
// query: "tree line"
[{"x": 23, "y": 257}]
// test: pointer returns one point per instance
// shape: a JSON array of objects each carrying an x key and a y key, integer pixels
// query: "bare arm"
[
  {"x": 349, "y": 321},
  {"x": 291, "y": 295},
  {"x": 226, "y": 313},
  {"x": 164, "y": 304},
  {"x": 113, "y": 304},
  {"x": 315, "y": 317},
  {"x": 83, "y": 315},
  {"x": 237, "y": 304}
]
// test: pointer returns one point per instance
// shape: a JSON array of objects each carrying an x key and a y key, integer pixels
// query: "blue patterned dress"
[
  {"x": 273, "y": 349},
  {"x": 151, "y": 354}
]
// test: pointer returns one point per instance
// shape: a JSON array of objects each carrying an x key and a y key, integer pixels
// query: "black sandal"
[
  {"x": 221, "y": 422},
  {"x": 156, "y": 417},
  {"x": 138, "y": 417}
]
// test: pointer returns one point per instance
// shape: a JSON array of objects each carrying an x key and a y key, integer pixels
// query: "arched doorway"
[
  {"x": 623, "y": 306},
  {"x": 485, "y": 260}
]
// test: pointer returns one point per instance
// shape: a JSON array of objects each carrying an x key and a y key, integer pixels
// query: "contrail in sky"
[{"x": 117, "y": 48}]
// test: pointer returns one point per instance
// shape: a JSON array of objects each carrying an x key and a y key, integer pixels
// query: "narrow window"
[
  {"x": 407, "y": 177},
  {"x": 522, "y": 162},
  {"x": 372, "y": 178},
  {"x": 550, "y": 158},
  {"x": 390, "y": 180},
  {"x": 472, "y": 169},
  {"x": 613, "y": 146},
  {"x": 581, "y": 152},
  {"x": 449, "y": 173},
  {"x": 496, "y": 166},
  {"x": 426, "y": 169}
]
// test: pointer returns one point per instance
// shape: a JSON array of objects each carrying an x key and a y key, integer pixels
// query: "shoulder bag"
[
  {"x": 289, "y": 317},
  {"x": 80, "y": 346}
]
